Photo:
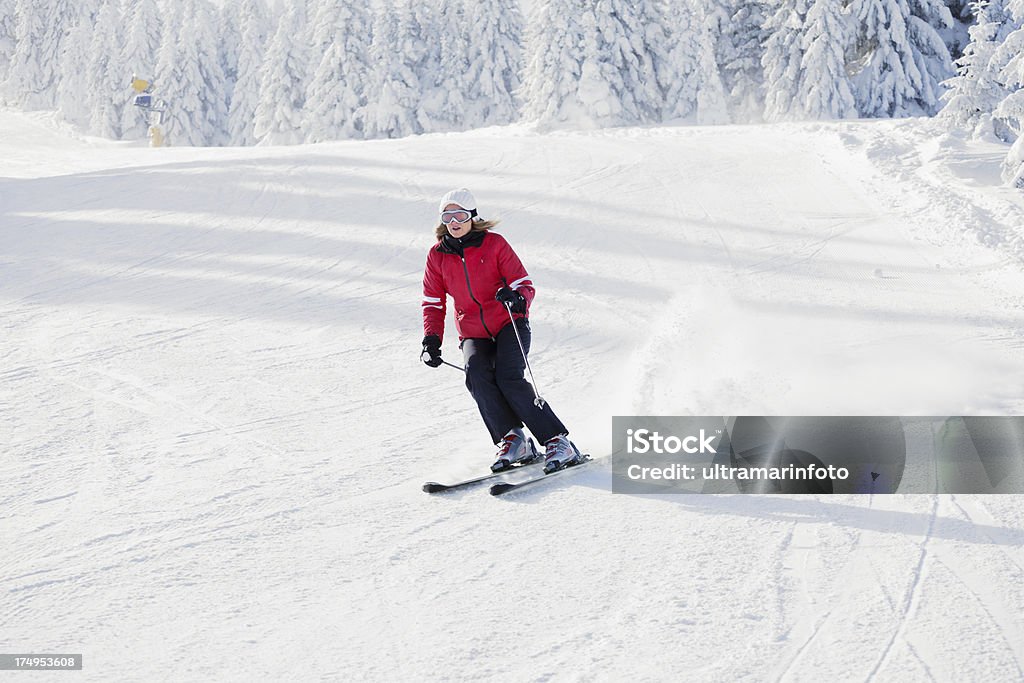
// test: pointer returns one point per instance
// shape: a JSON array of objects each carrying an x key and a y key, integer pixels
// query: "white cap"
[{"x": 462, "y": 197}]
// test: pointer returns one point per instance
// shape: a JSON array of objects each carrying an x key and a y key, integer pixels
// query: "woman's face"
[{"x": 457, "y": 228}]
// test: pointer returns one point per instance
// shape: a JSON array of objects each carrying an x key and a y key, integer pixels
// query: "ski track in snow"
[{"x": 217, "y": 426}]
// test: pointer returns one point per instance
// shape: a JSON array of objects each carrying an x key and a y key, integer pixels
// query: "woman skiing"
[{"x": 492, "y": 293}]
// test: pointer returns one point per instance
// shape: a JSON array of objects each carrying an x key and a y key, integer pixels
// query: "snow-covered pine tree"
[
  {"x": 1013, "y": 165},
  {"x": 212, "y": 82},
  {"x": 495, "y": 62},
  {"x": 73, "y": 89},
  {"x": 393, "y": 102},
  {"x": 229, "y": 44},
  {"x": 107, "y": 73},
  {"x": 34, "y": 75},
  {"x": 955, "y": 37},
  {"x": 1008, "y": 115},
  {"x": 898, "y": 56},
  {"x": 655, "y": 18},
  {"x": 623, "y": 41},
  {"x": 886, "y": 78},
  {"x": 718, "y": 23},
  {"x": 740, "y": 49},
  {"x": 597, "y": 63},
  {"x": 253, "y": 18},
  {"x": 143, "y": 26},
  {"x": 553, "y": 62},
  {"x": 189, "y": 76},
  {"x": 977, "y": 89},
  {"x": 418, "y": 30},
  {"x": 279, "y": 117},
  {"x": 337, "y": 93},
  {"x": 678, "y": 74},
  {"x": 823, "y": 90},
  {"x": 783, "y": 58},
  {"x": 447, "y": 100},
  {"x": 597, "y": 92},
  {"x": 8, "y": 27},
  {"x": 712, "y": 105},
  {"x": 925, "y": 26}
]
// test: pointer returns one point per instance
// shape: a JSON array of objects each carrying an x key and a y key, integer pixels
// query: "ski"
[
  {"x": 505, "y": 486},
  {"x": 436, "y": 487}
]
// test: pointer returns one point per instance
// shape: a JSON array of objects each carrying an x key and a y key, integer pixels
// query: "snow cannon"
[
  {"x": 141, "y": 85},
  {"x": 153, "y": 107},
  {"x": 156, "y": 136},
  {"x": 819, "y": 454}
]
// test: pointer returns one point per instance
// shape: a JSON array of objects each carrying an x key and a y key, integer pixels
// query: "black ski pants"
[{"x": 494, "y": 376}]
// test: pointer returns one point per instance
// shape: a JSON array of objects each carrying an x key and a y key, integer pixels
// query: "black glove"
[
  {"x": 512, "y": 299},
  {"x": 432, "y": 348}
]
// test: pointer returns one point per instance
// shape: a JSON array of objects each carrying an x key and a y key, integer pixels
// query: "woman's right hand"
[{"x": 431, "y": 354}]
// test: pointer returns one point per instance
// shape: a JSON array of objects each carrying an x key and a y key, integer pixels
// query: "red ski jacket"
[{"x": 471, "y": 270}]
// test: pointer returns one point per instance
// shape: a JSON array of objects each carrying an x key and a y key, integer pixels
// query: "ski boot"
[
  {"x": 560, "y": 453},
  {"x": 514, "y": 450}
]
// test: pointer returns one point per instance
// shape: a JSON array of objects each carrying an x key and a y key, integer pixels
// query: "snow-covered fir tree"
[
  {"x": 1011, "y": 109},
  {"x": 898, "y": 58},
  {"x": 978, "y": 87},
  {"x": 449, "y": 97},
  {"x": 229, "y": 44},
  {"x": 107, "y": 73},
  {"x": 552, "y": 62},
  {"x": 955, "y": 37},
  {"x": 279, "y": 116},
  {"x": 717, "y": 18},
  {"x": 417, "y": 29},
  {"x": 74, "y": 94},
  {"x": 623, "y": 41},
  {"x": 740, "y": 49},
  {"x": 783, "y": 59},
  {"x": 597, "y": 92},
  {"x": 336, "y": 96},
  {"x": 393, "y": 104},
  {"x": 8, "y": 27},
  {"x": 712, "y": 105},
  {"x": 189, "y": 76},
  {"x": 655, "y": 17},
  {"x": 495, "y": 62},
  {"x": 1008, "y": 115},
  {"x": 589, "y": 63},
  {"x": 143, "y": 27},
  {"x": 33, "y": 79},
  {"x": 927, "y": 20},
  {"x": 677, "y": 75},
  {"x": 253, "y": 18},
  {"x": 886, "y": 78},
  {"x": 690, "y": 81},
  {"x": 823, "y": 90},
  {"x": 1013, "y": 165}
]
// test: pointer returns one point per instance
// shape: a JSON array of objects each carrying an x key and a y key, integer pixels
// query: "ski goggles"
[{"x": 455, "y": 216}]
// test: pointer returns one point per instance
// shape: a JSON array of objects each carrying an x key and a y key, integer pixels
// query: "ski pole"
[
  {"x": 453, "y": 365},
  {"x": 537, "y": 400},
  {"x": 444, "y": 362}
]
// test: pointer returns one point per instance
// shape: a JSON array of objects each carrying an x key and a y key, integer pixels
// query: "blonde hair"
[{"x": 478, "y": 226}]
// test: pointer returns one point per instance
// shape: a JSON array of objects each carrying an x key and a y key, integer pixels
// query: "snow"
[{"x": 216, "y": 423}]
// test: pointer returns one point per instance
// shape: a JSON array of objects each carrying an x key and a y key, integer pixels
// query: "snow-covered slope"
[{"x": 215, "y": 423}]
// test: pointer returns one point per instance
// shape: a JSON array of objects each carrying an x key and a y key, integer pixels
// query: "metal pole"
[{"x": 537, "y": 400}]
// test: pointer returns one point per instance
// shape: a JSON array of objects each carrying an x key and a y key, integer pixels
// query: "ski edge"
[
  {"x": 437, "y": 487},
  {"x": 504, "y": 487}
]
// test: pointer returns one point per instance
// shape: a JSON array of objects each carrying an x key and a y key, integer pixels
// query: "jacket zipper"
[{"x": 469, "y": 287}]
